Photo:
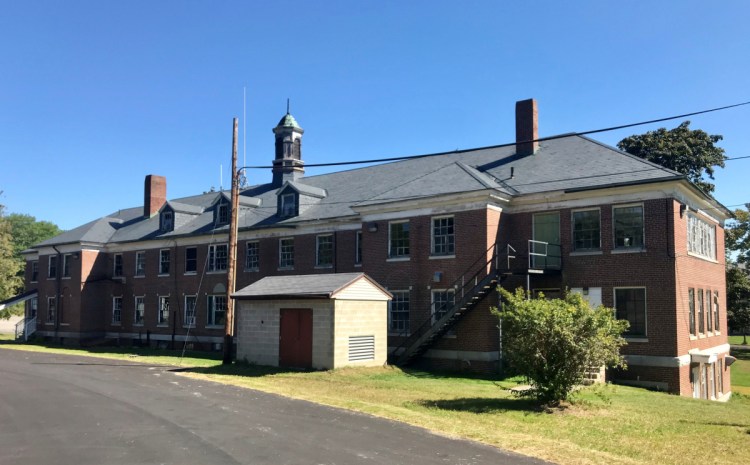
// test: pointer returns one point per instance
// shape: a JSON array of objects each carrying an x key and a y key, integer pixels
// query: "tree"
[
  {"x": 27, "y": 231},
  {"x": 691, "y": 152},
  {"x": 738, "y": 300},
  {"x": 737, "y": 235},
  {"x": 9, "y": 265},
  {"x": 555, "y": 342}
]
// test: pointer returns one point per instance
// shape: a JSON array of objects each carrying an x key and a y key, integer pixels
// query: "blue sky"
[{"x": 96, "y": 95}]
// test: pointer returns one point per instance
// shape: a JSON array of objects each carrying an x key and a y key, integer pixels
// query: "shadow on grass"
[
  {"x": 239, "y": 369},
  {"x": 483, "y": 405}
]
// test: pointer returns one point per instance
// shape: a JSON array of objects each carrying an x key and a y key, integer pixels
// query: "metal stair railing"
[{"x": 466, "y": 291}]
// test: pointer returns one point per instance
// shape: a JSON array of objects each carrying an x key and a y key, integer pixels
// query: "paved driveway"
[{"x": 80, "y": 410}]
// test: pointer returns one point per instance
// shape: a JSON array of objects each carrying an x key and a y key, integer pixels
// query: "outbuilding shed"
[{"x": 318, "y": 321}]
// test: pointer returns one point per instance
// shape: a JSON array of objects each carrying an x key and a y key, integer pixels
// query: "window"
[
  {"x": 222, "y": 215},
  {"x": 586, "y": 234},
  {"x": 190, "y": 302},
  {"x": 51, "y": 310},
  {"x": 217, "y": 310},
  {"x": 164, "y": 259},
  {"x": 443, "y": 238},
  {"x": 286, "y": 253},
  {"x": 324, "y": 251},
  {"x": 709, "y": 312},
  {"x": 167, "y": 221},
  {"x": 701, "y": 318},
  {"x": 358, "y": 248},
  {"x": 191, "y": 260},
  {"x": 398, "y": 312},
  {"x": 717, "y": 320},
  {"x": 628, "y": 223},
  {"x": 442, "y": 301},
  {"x": 163, "y": 315},
  {"x": 140, "y": 263},
  {"x": 116, "y": 310},
  {"x": 701, "y": 238},
  {"x": 398, "y": 239},
  {"x": 140, "y": 308},
  {"x": 252, "y": 256},
  {"x": 117, "y": 270},
  {"x": 52, "y": 267},
  {"x": 67, "y": 258},
  {"x": 630, "y": 305},
  {"x": 288, "y": 205},
  {"x": 719, "y": 376},
  {"x": 217, "y": 257},
  {"x": 33, "y": 306},
  {"x": 34, "y": 271},
  {"x": 691, "y": 310}
]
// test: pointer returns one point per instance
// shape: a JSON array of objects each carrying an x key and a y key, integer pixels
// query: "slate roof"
[
  {"x": 310, "y": 285},
  {"x": 566, "y": 163}
]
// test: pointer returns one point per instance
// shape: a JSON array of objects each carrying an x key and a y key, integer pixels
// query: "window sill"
[
  {"x": 139, "y": 276},
  {"x": 358, "y": 265},
  {"x": 65, "y": 277},
  {"x": 163, "y": 325},
  {"x": 214, "y": 327},
  {"x": 441, "y": 257},
  {"x": 190, "y": 273},
  {"x": 391, "y": 334},
  {"x": 635, "y": 339},
  {"x": 397, "y": 259},
  {"x": 582, "y": 253},
  {"x": 693, "y": 337},
  {"x": 33, "y": 282},
  {"x": 138, "y": 324},
  {"x": 49, "y": 324},
  {"x": 217, "y": 272},
  {"x": 285, "y": 268},
  {"x": 628, "y": 250},
  {"x": 251, "y": 270},
  {"x": 64, "y": 324},
  {"x": 702, "y": 257},
  {"x": 323, "y": 267},
  {"x": 161, "y": 275},
  {"x": 116, "y": 324},
  {"x": 188, "y": 326}
]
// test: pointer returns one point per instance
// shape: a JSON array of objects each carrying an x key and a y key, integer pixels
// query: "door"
[
  {"x": 546, "y": 229},
  {"x": 295, "y": 338}
]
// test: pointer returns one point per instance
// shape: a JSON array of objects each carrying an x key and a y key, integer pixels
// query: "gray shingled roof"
[
  {"x": 311, "y": 285},
  {"x": 566, "y": 163}
]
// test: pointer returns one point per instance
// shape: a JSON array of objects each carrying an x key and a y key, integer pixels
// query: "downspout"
[{"x": 58, "y": 297}]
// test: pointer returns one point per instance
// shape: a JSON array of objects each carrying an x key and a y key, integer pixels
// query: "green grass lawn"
[
  {"x": 737, "y": 340},
  {"x": 605, "y": 424}
]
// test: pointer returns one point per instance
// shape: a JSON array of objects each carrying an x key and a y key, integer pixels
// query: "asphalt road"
[{"x": 57, "y": 409}]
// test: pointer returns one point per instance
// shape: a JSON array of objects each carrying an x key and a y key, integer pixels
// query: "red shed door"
[{"x": 295, "y": 338}]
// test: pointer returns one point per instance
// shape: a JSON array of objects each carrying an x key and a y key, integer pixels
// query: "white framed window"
[
  {"x": 716, "y": 311},
  {"x": 288, "y": 204},
  {"x": 218, "y": 257},
  {"x": 358, "y": 248},
  {"x": 398, "y": 239},
  {"x": 190, "y": 303},
  {"x": 701, "y": 238},
  {"x": 167, "y": 221},
  {"x": 67, "y": 258},
  {"x": 191, "y": 260},
  {"x": 709, "y": 311},
  {"x": 165, "y": 257},
  {"x": 630, "y": 305},
  {"x": 51, "y": 310},
  {"x": 34, "y": 271},
  {"x": 443, "y": 236},
  {"x": 701, "y": 315},
  {"x": 286, "y": 252},
  {"x": 324, "y": 251},
  {"x": 442, "y": 301},
  {"x": 140, "y": 310},
  {"x": 252, "y": 256},
  {"x": 398, "y": 312},
  {"x": 162, "y": 318},
  {"x": 691, "y": 311},
  {"x": 116, "y": 310},
  {"x": 117, "y": 267},
  {"x": 140, "y": 263},
  {"x": 52, "y": 267},
  {"x": 586, "y": 229},
  {"x": 628, "y": 226},
  {"x": 217, "y": 310}
]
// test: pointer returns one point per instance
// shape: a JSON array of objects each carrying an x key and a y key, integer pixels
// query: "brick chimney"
[
  {"x": 154, "y": 194},
  {"x": 527, "y": 127}
]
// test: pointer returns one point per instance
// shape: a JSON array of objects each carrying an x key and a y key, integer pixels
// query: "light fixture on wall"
[
  {"x": 372, "y": 227},
  {"x": 683, "y": 208}
]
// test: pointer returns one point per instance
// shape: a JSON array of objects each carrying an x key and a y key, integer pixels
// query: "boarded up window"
[{"x": 361, "y": 348}]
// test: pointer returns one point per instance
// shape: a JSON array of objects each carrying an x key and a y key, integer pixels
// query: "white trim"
[
  {"x": 640, "y": 248},
  {"x": 432, "y": 235},
  {"x": 388, "y": 245},
  {"x": 317, "y": 251},
  {"x": 280, "y": 265}
]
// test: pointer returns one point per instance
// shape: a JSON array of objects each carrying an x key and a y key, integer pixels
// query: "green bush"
[{"x": 554, "y": 342}]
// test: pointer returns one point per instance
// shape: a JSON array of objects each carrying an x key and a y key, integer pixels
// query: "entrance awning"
[
  {"x": 20, "y": 298},
  {"x": 703, "y": 357}
]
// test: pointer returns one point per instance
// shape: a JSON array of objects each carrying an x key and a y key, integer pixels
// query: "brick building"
[{"x": 438, "y": 232}]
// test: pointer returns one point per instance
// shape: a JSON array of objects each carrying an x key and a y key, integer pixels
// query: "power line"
[{"x": 541, "y": 139}]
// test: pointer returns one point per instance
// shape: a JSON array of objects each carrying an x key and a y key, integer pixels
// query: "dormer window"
[
  {"x": 288, "y": 205},
  {"x": 167, "y": 221},
  {"x": 222, "y": 213}
]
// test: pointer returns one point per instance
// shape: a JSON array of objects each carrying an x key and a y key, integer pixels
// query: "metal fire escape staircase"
[{"x": 480, "y": 279}]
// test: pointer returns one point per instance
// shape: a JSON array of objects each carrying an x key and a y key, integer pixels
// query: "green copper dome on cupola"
[{"x": 288, "y": 121}]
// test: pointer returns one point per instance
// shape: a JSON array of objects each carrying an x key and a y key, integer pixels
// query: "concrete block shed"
[{"x": 318, "y": 321}]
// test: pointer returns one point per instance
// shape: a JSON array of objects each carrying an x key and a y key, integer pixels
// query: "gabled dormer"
[
  {"x": 174, "y": 215},
  {"x": 293, "y": 198},
  {"x": 222, "y": 208}
]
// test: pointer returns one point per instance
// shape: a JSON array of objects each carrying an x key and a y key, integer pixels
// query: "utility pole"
[{"x": 229, "y": 320}]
